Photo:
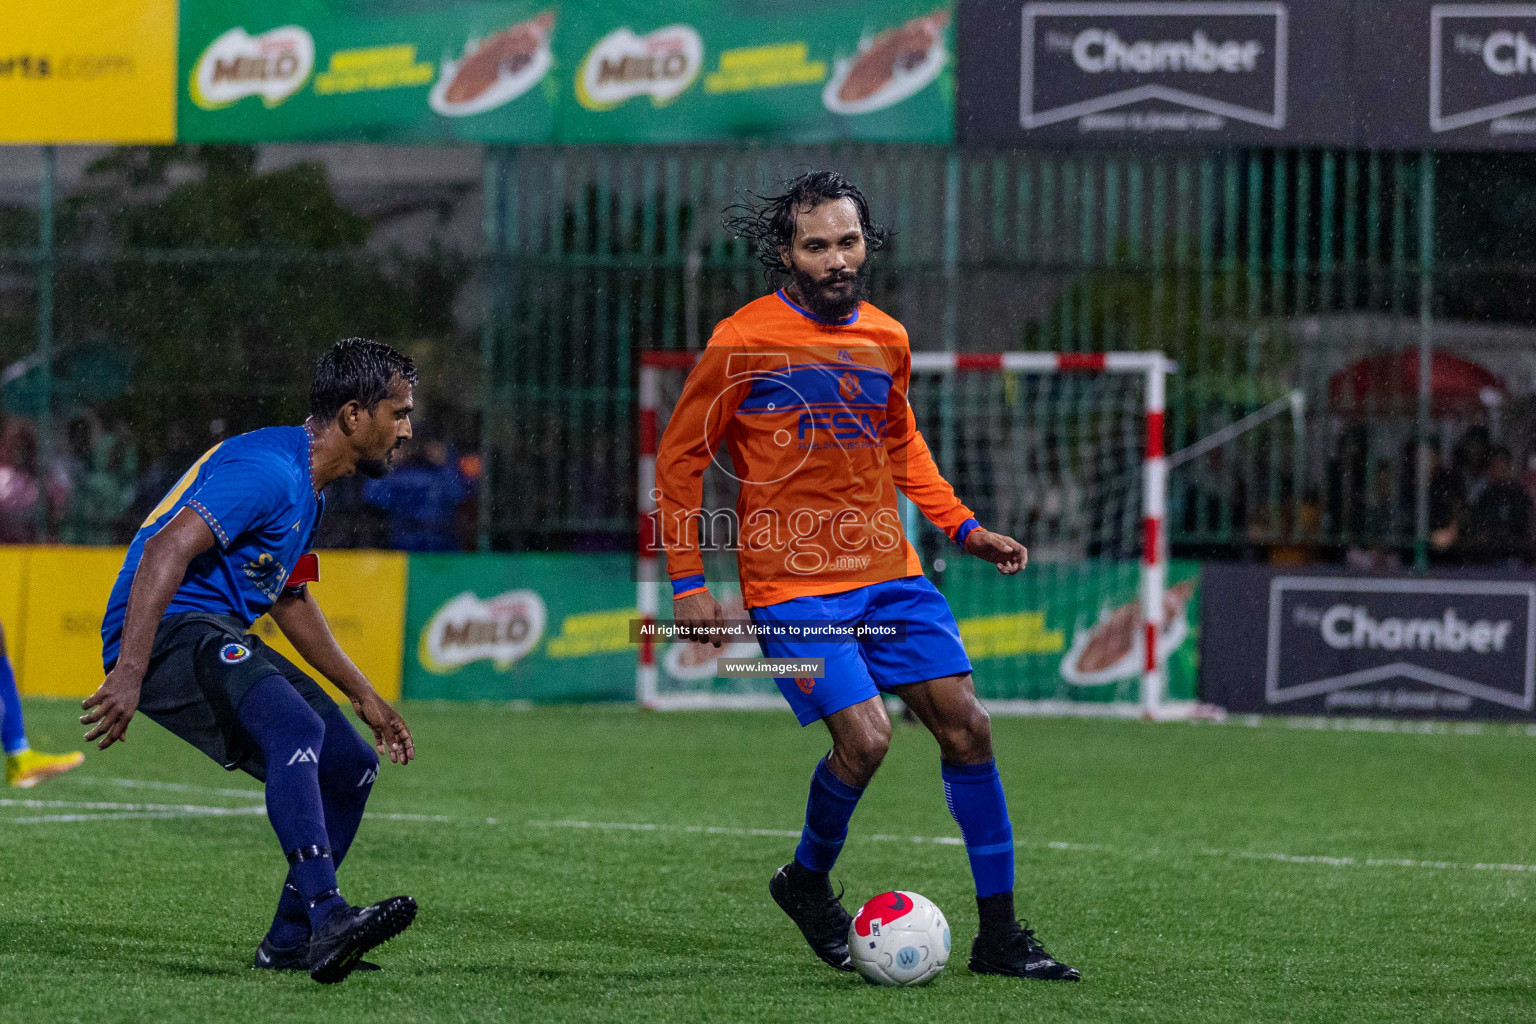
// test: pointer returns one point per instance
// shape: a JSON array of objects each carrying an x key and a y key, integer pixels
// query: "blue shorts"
[{"x": 858, "y": 670}]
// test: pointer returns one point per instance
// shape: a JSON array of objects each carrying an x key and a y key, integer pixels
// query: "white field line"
[
  {"x": 119, "y": 811},
  {"x": 98, "y": 805},
  {"x": 71, "y": 819},
  {"x": 1284, "y": 858},
  {"x": 169, "y": 787}
]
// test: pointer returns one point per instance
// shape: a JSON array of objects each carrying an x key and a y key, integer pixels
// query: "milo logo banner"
[
  {"x": 513, "y": 627},
  {"x": 1243, "y": 72},
  {"x": 309, "y": 69},
  {"x": 1420, "y": 646},
  {"x": 538, "y": 71},
  {"x": 694, "y": 70}
]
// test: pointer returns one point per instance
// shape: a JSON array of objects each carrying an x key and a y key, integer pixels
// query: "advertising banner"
[
  {"x": 693, "y": 70},
  {"x": 88, "y": 71},
  {"x": 1071, "y": 632},
  {"x": 312, "y": 70},
  {"x": 1160, "y": 73},
  {"x": 61, "y": 637},
  {"x": 1447, "y": 76},
  {"x": 13, "y": 578},
  {"x": 519, "y": 71},
  {"x": 520, "y": 627},
  {"x": 57, "y": 629},
  {"x": 1433, "y": 646}
]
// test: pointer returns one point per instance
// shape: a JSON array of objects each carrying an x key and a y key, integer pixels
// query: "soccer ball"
[{"x": 899, "y": 938}]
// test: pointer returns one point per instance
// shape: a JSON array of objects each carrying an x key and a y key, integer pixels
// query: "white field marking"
[
  {"x": 170, "y": 787},
  {"x": 97, "y": 805},
  {"x": 53, "y": 819},
  {"x": 248, "y": 794},
  {"x": 121, "y": 811},
  {"x": 1283, "y": 858}
]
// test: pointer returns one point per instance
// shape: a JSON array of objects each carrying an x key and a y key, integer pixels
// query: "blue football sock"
[
  {"x": 348, "y": 766},
  {"x": 13, "y": 731},
  {"x": 291, "y": 737},
  {"x": 974, "y": 793},
  {"x": 827, "y": 811}
]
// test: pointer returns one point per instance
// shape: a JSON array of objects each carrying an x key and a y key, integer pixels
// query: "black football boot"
[
  {"x": 818, "y": 914},
  {"x": 1016, "y": 953}
]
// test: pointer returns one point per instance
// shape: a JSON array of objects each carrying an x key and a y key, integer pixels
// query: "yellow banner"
[
  {"x": 65, "y": 597},
  {"x": 75, "y": 71},
  {"x": 13, "y": 575}
]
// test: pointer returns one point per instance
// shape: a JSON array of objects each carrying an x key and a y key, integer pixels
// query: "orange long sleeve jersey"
[{"x": 815, "y": 419}]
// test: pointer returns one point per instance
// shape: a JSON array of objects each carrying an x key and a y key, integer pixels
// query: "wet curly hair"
[
  {"x": 768, "y": 221},
  {"x": 356, "y": 369}
]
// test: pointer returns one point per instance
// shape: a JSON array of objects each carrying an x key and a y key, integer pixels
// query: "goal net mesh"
[{"x": 1054, "y": 459}]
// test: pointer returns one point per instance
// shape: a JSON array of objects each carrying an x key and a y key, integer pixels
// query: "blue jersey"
[{"x": 256, "y": 493}]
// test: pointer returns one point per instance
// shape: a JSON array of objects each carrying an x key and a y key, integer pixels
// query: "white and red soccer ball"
[{"x": 899, "y": 938}]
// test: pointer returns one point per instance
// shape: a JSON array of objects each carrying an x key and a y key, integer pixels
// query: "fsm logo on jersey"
[
  {"x": 1430, "y": 646},
  {"x": 1150, "y": 67},
  {"x": 1482, "y": 68}
]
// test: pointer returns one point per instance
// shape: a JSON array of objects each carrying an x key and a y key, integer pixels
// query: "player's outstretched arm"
[
  {"x": 303, "y": 623},
  {"x": 161, "y": 570},
  {"x": 1002, "y": 551},
  {"x": 699, "y": 421}
]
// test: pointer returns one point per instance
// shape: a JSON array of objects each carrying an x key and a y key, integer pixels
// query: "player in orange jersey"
[{"x": 806, "y": 388}]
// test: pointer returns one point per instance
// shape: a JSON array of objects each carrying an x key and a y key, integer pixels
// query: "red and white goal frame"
[{"x": 1152, "y": 366}]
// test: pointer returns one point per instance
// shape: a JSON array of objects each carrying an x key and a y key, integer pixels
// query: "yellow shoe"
[{"x": 30, "y": 767}]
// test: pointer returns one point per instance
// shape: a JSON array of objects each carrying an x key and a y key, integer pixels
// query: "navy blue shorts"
[{"x": 857, "y": 670}]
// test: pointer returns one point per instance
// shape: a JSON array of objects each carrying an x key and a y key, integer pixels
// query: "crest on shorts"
[{"x": 234, "y": 654}]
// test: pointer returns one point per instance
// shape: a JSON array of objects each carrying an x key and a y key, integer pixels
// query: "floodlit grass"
[{"x": 1193, "y": 873}]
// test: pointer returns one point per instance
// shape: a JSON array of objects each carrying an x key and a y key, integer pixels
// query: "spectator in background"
[
  {"x": 1347, "y": 497},
  {"x": 421, "y": 500},
  {"x": 1498, "y": 521},
  {"x": 21, "y": 488},
  {"x": 1472, "y": 462},
  {"x": 1445, "y": 495},
  {"x": 104, "y": 466},
  {"x": 1373, "y": 549}
]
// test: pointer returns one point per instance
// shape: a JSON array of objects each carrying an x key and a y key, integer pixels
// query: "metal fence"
[
  {"x": 1299, "y": 291},
  {"x": 1265, "y": 274}
]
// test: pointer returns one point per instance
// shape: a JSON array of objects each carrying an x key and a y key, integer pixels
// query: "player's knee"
[
  {"x": 308, "y": 728},
  {"x": 349, "y": 760},
  {"x": 967, "y": 737},
  {"x": 293, "y": 742},
  {"x": 864, "y": 753}
]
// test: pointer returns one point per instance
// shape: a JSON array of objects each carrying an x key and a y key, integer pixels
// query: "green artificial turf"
[{"x": 1192, "y": 872}]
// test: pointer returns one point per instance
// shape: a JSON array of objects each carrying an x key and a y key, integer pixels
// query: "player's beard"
[
  {"x": 373, "y": 469},
  {"x": 825, "y": 303}
]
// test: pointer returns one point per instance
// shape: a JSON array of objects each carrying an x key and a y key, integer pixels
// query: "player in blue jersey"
[{"x": 229, "y": 543}]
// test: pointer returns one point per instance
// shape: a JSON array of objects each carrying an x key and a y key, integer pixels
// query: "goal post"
[{"x": 1062, "y": 450}]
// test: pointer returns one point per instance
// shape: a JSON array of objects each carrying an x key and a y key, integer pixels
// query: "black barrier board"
[
  {"x": 1272, "y": 74},
  {"x": 1311, "y": 643},
  {"x": 1447, "y": 76}
]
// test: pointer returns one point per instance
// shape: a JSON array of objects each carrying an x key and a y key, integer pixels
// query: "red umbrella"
[{"x": 1388, "y": 384}]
